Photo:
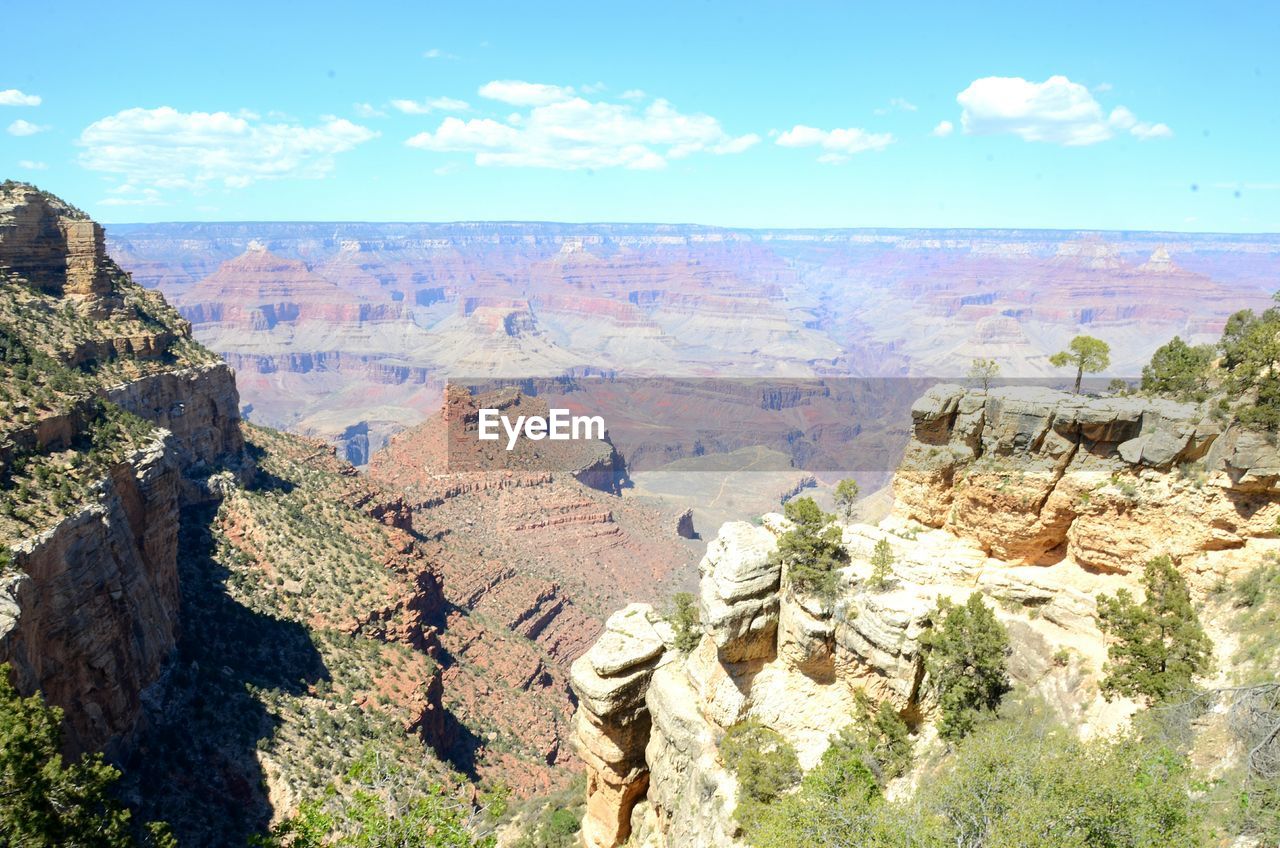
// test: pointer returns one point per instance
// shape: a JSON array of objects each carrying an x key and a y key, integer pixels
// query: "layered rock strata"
[{"x": 1035, "y": 475}]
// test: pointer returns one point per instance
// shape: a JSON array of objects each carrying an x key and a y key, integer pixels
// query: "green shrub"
[
  {"x": 685, "y": 621},
  {"x": 1018, "y": 782},
  {"x": 46, "y": 802},
  {"x": 1159, "y": 646},
  {"x": 885, "y": 735},
  {"x": 967, "y": 657},
  {"x": 811, "y": 552},
  {"x": 764, "y": 764}
]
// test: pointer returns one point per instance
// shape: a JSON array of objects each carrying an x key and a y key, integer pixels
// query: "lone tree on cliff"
[
  {"x": 983, "y": 371},
  {"x": 1086, "y": 353},
  {"x": 846, "y": 494},
  {"x": 812, "y": 551},
  {"x": 1160, "y": 646}
]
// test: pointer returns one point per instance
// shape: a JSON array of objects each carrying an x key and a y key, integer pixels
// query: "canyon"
[
  {"x": 350, "y": 331},
  {"x": 244, "y": 619}
]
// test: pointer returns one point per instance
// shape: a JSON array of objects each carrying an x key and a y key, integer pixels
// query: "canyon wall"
[
  {"x": 1035, "y": 475},
  {"x": 89, "y": 595}
]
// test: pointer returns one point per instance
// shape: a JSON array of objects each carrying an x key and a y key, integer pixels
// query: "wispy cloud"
[
  {"x": 429, "y": 105},
  {"x": 521, "y": 93},
  {"x": 32, "y": 165},
  {"x": 367, "y": 110},
  {"x": 564, "y": 130},
  {"x": 1056, "y": 111},
  {"x": 943, "y": 129},
  {"x": 14, "y": 97},
  {"x": 838, "y": 145},
  {"x": 167, "y": 149},
  {"x": 897, "y": 104},
  {"x": 21, "y": 127},
  {"x": 437, "y": 53},
  {"x": 128, "y": 194}
]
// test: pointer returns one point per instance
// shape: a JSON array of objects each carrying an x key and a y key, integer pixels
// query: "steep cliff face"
[
  {"x": 113, "y": 421},
  {"x": 1035, "y": 476},
  {"x": 1014, "y": 528}
]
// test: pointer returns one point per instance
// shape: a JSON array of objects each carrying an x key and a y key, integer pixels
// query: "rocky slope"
[
  {"x": 988, "y": 499},
  {"x": 526, "y": 551},
  {"x": 113, "y": 420}
]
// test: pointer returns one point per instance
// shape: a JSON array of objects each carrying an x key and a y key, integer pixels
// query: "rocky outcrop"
[
  {"x": 740, "y": 592},
  {"x": 797, "y": 664},
  {"x": 91, "y": 615},
  {"x": 51, "y": 244},
  {"x": 1035, "y": 475},
  {"x": 612, "y": 721},
  {"x": 199, "y": 406}
]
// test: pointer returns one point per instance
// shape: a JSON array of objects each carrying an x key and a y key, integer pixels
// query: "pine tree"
[
  {"x": 967, "y": 663},
  {"x": 881, "y": 565},
  {"x": 845, "y": 495},
  {"x": 812, "y": 551},
  {"x": 1177, "y": 369},
  {"x": 46, "y": 802},
  {"x": 1159, "y": 645},
  {"x": 1086, "y": 354}
]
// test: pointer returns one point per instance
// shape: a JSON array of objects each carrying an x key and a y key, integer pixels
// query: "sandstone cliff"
[
  {"x": 115, "y": 420},
  {"x": 1035, "y": 476},
  {"x": 989, "y": 500}
]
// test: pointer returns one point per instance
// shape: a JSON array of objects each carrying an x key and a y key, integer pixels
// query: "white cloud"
[
  {"x": 164, "y": 148},
  {"x": 943, "y": 129},
  {"x": 32, "y": 165},
  {"x": 562, "y": 130},
  {"x": 897, "y": 104},
  {"x": 368, "y": 110},
  {"x": 520, "y": 93},
  {"x": 1102, "y": 88},
  {"x": 1125, "y": 121},
  {"x": 13, "y": 97},
  {"x": 128, "y": 194},
  {"x": 431, "y": 104},
  {"x": 21, "y": 127},
  {"x": 633, "y": 94},
  {"x": 437, "y": 53},
  {"x": 1057, "y": 111},
  {"x": 838, "y": 144}
]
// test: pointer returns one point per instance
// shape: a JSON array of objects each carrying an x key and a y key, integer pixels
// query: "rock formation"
[
  {"x": 88, "y": 604},
  {"x": 989, "y": 501},
  {"x": 1034, "y": 475}
]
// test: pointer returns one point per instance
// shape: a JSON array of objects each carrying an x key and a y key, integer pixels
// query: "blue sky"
[{"x": 1081, "y": 115}]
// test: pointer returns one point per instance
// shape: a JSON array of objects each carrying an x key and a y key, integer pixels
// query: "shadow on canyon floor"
[{"x": 195, "y": 764}]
